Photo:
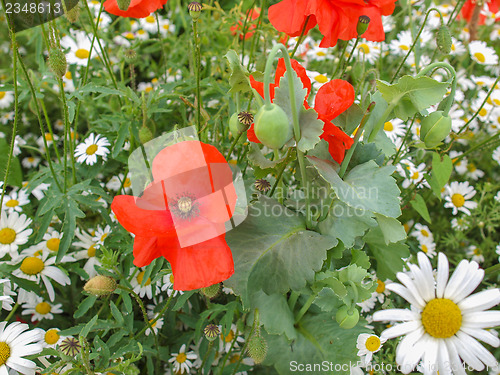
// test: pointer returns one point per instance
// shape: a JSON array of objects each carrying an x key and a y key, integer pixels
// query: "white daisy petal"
[
  {"x": 442, "y": 275},
  {"x": 456, "y": 279},
  {"x": 400, "y": 329},
  {"x": 411, "y": 286},
  {"x": 477, "y": 349},
  {"x": 455, "y": 362},
  {"x": 395, "y": 314},
  {"x": 482, "y": 335},
  {"x": 480, "y": 301},
  {"x": 405, "y": 293}
]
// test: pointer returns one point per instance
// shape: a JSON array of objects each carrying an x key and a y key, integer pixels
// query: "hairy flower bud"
[
  {"x": 100, "y": 285},
  {"x": 57, "y": 62},
  {"x": 257, "y": 347},
  {"x": 211, "y": 291},
  {"x": 145, "y": 134},
  {"x": 443, "y": 39},
  {"x": 362, "y": 25},
  {"x": 73, "y": 14}
]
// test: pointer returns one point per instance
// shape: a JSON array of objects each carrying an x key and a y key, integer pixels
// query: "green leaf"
[
  {"x": 85, "y": 331},
  {"x": 389, "y": 257},
  {"x": 239, "y": 74},
  {"x": 366, "y": 187},
  {"x": 275, "y": 314},
  {"x": 116, "y": 313},
  {"x": 391, "y": 228},
  {"x": 418, "y": 203},
  {"x": 350, "y": 119},
  {"x": 15, "y": 173},
  {"x": 327, "y": 300},
  {"x": 441, "y": 169},
  {"x": 412, "y": 94},
  {"x": 335, "y": 284},
  {"x": 273, "y": 251},
  {"x": 256, "y": 157},
  {"x": 310, "y": 129},
  {"x": 360, "y": 258},
  {"x": 69, "y": 226},
  {"x": 282, "y": 95},
  {"x": 352, "y": 273},
  {"x": 84, "y": 306}
]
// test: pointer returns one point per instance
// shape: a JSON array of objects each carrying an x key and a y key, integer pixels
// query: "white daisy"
[
  {"x": 497, "y": 250},
  {"x": 225, "y": 342},
  {"x": 100, "y": 235},
  {"x": 422, "y": 233},
  {"x": 15, "y": 343},
  {"x": 156, "y": 325},
  {"x": 89, "y": 252},
  {"x": 51, "y": 338},
  {"x": 5, "y": 294},
  {"x": 317, "y": 79},
  {"x": 182, "y": 360},
  {"x": 115, "y": 183},
  {"x": 79, "y": 45},
  {"x": 445, "y": 320},
  {"x": 457, "y": 197},
  {"x": 367, "y": 345},
  {"x": 482, "y": 54},
  {"x": 460, "y": 165},
  {"x": 41, "y": 309},
  {"x": 368, "y": 304},
  {"x": 496, "y": 155},
  {"x": 457, "y": 47},
  {"x": 14, "y": 231},
  {"x": 51, "y": 241},
  {"x": 30, "y": 162},
  {"x": 428, "y": 248},
  {"x": 369, "y": 51},
  {"x": 475, "y": 253},
  {"x": 49, "y": 138},
  {"x": 416, "y": 174},
  {"x": 143, "y": 290},
  {"x": 473, "y": 172},
  {"x": 168, "y": 285},
  {"x": 6, "y": 99},
  {"x": 459, "y": 223},
  {"x": 92, "y": 147},
  {"x": 166, "y": 27},
  {"x": 14, "y": 201},
  {"x": 6, "y": 117},
  {"x": 394, "y": 129}
]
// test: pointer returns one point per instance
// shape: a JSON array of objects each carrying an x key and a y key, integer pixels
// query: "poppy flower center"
[
  {"x": 51, "y": 337},
  {"x": 441, "y": 318},
  {"x": 82, "y": 53},
  {"x": 53, "y": 244},
  {"x": 43, "y": 308},
  {"x": 181, "y": 358},
  {"x": 372, "y": 343},
  {"x": 32, "y": 266},
  {"x": 4, "y": 353},
  {"x": 380, "y": 286},
  {"x": 12, "y": 203},
  {"x": 184, "y": 207},
  {"x": 480, "y": 57},
  {"x": 91, "y": 150},
  {"x": 458, "y": 200},
  {"x": 7, "y": 236}
]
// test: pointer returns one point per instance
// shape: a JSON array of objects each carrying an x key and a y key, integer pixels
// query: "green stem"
[
  {"x": 472, "y": 149},
  {"x": 355, "y": 298},
  {"x": 457, "y": 9},
  {"x": 197, "y": 68},
  {"x": 306, "y": 306},
  {"x": 408, "y": 132},
  {"x": 252, "y": 331},
  {"x": 341, "y": 60},
  {"x": 244, "y": 27},
  {"x": 256, "y": 39},
  {"x": 301, "y": 37},
  {"x": 12, "y": 312},
  {"x": 350, "y": 57},
  {"x": 380, "y": 124},
  {"x": 155, "y": 319},
  {"x": 280, "y": 174},
  {"x": 292, "y": 300}
]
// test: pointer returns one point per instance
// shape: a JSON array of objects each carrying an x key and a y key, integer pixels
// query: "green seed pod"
[
  {"x": 123, "y": 4},
  {"x": 434, "y": 128},
  {"x": 272, "y": 127},
  {"x": 211, "y": 291},
  {"x": 346, "y": 320},
  {"x": 57, "y": 62},
  {"x": 145, "y": 134},
  {"x": 362, "y": 25},
  {"x": 234, "y": 125},
  {"x": 443, "y": 39},
  {"x": 195, "y": 10},
  {"x": 257, "y": 347},
  {"x": 100, "y": 285}
]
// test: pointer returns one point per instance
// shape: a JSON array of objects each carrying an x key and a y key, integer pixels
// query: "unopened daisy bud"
[
  {"x": 257, "y": 348},
  {"x": 100, "y": 285},
  {"x": 211, "y": 291},
  {"x": 145, "y": 134},
  {"x": 73, "y": 14},
  {"x": 123, "y": 4},
  {"x": 262, "y": 185},
  {"x": 443, "y": 39},
  {"x": 57, "y": 62},
  {"x": 130, "y": 56},
  {"x": 246, "y": 118},
  {"x": 362, "y": 25},
  {"x": 194, "y": 9},
  {"x": 211, "y": 332}
]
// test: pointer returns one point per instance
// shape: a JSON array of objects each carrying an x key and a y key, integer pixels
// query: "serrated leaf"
[
  {"x": 418, "y": 203},
  {"x": 84, "y": 306},
  {"x": 256, "y": 157},
  {"x": 116, "y": 313},
  {"x": 86, "y": 329},
  {"x": 366, "y": 187},
  {"x": 352, "y": 273},
  {"x": 239, "y": 74},
  {"x": 282, "y": 95},
  {"x": 272, "y": 251},
  {"x": 360, "y": 258},
  {"x": 412, "y": 94},
  {"x": 326, "y": 299},
  {"x": 275, "y": 314},
  {"x": 335, "y": 284},
  {"x": 391, "y": 228},
  {"x": 15, "y": 177},
  {"x": 310, "y": 129},
  {"x": 69, "y": 226}
]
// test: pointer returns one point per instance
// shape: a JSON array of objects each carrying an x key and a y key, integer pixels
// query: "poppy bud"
[
  {"x": 257, "y": 347},
  {"x": 130, "y": 56},
  {"x": 194, "y": 10},
  {"x": 211, "y": 332},
  {"x": 73, "y": 14},
  {"x": 362, "y": 25},
  {"x": 57, "y": 62},
  {"x": 145, "y": 134},
  {"x": 272, "y": 127},
  {"x": 443, "y": 39},
  {"x": 347, "y": 319},
  {"x": 100, "y": 285},
  {"x": 434, "y": 128},
  {"x": 211, "y": 291},
  {"x": 123, "y": 4}
]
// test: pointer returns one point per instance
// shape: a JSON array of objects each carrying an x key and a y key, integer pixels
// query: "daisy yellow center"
[
  {"x": 51, "y": 336},
  {"x": 414, "y": 176},
  {"x": 129, "y": 36},
  {"x": 372, "y": 343},
  {"x": 150, "y": 19},
  {"x": 91, "y": 251},
  {"x": 43, "y": 308},
  {"x": 321, "y": 78},
  {"x": 4, "y": 352},
  {"x": 477, "y": 251},
  {"x": 103, "y": 237},
  {"x": 229, "y": 337},
  {"x": 441, "y": 318},
  {"x": 2, "y": 94},
  {"x": 365, "y": 48},
  {"x": 234, "y": 358},
  {"x": 82, "y": 53},
  {"x": 127, "y": 183},
  {"x": 91, "y": 150},
  {"x": 152, "y": 324},
  {"x": 458, "y": 200},
  {"x": 471, "y": 167},
  {"x": 32, "y": 266},
  {"x": 320, "y": 53},
  {"x": 12, "y": 203},
  {"x": 48, "y": 137},
  {"x": 480, "y": 57},
  {"x": 140, "y": 276},
  {"x": 483, "y": 112},
  {"x": 380, "y": 286},
  {"x": 181, "y": 358},
  {"x": 404, "y": 47},
  {"x": 424, "y": 233},
  {"x": 424, "y": 248},
  {"x": 148, "y": 89},
  {"x": 185, "y": 204},
  {"x": 171, "y": 278},
  {"x": 388, "y": 127},
  {"x": 53, "y": 244},
  {"x": 68, "y": 75},
  {"x": 7, "y": 236}
]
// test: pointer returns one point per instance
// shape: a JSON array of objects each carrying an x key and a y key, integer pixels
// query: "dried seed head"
[
  {"x": 362, "y": 26},
  {"x": 70, "y": 346},
  {"x": 262, "y": 185},
  {"x": 246, "y": 118},
  {"x": 195, "y": 9},
  {"x": 211, "y": 332}
]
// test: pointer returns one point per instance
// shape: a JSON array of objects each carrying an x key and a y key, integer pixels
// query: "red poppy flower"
[
  {"x": 182, "y": 215},
  {"x": 492, "y": 6},
  {"x": 252, "y": 15},
  {"x": 337, "y": 19},
  {"x": 136, "y": 9},
  {"x": 331, "y": 100}
]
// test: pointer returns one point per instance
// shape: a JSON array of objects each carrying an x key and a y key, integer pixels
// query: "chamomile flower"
[
  {"x": 168, "y": 285},
  {"x": 117, "y": 182},
  {"x": 482, "y": 54},
  {"x": 416, "y": 174},
  {"x": 41, "y": 309},
  {"x": 142, "y": 290},
  {"x": 369, "y": 51},
  {"x": 422, "y": 233},
  {"x": 149, "y": 23},
  {"x": 428, "y": 248},
  {"x": 79, "y": 45},
  {"x": 459, "y": 164},
  {"x": 14, "y": 201},
  {"x": 89, "y": 246},
  {"x": 458, "y": 195},
  {"x": 457, "y": 47},
  {"x": 226, "y": 341},
  {"x": 51, "y": 241},
  {"x": 14, "y": 231},
  {"x": 473, "y": 172},
  {"x": 394, "y": 129},
  {"x": 6, "y": 117},
  {"x": 445, "y": 320},
  {"x": 6, "y": 99},
  {"x": 368, "y": 304},
  {"x": 475, "y": 253},
  {"x": 30, "y": 162},
  {"x": 38, "y": 268},
  {"x": 496, "y": 155},
  {"x": 459, "y": 223},
  {"x": 49, "y": 138},
  {"x": 92, "y": 147},
  {"x": 497, "y": 250},
  {"x": 367, "y": 345},
  {"x": 101, "y": 234},
  {"x": 5, "y": 294},
  {"x": 155, "y": 325},
  {"x": 51, "y": 338},
  {"x": 182, "y": 360},
  {"x": 16, "y": 341},
  {"x": 317, "y": 79}
]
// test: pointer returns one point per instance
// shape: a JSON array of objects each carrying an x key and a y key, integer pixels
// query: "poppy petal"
[
  {"x": 289, "y": 17},
  {"x": 251, "y": 134},
  {"x": 145, "y": 250},
  {"x": 136, "y": 9},
  {"x": 333, "y": 98}
]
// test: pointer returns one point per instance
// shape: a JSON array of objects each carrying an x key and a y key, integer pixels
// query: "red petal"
[
  {"x": 289, "y": 17},
  {"x": 136, "y": 9},
  {"x": 338, "y": 141},
  {"x": 333, "y": 98},
  {"x": 145, "y": 250},
  {"x": 251, "y": 134},
  {"x": 299, "y": 69}
]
